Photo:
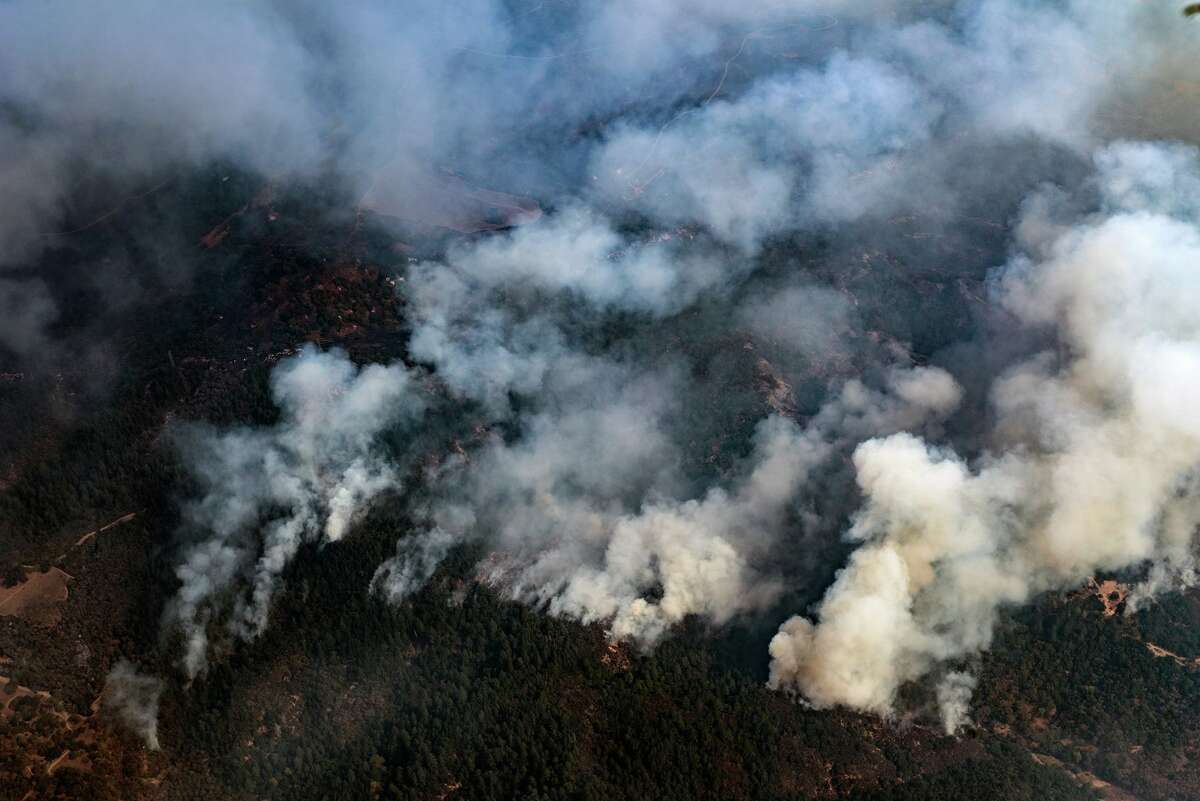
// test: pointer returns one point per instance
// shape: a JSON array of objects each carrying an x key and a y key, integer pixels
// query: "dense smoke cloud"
[
  {"x": 854, "y": 136},
  {"x": 266, "y": 492},
  {"x": 586, "y": 514},
  {"x": 578, "y": 253},
  {"x": 752, "y": 118},
  {"x": 733, "y": 165},
  {"x": 1091, "y": 464},
  {"x": 374, "y": 95},
  {"x": 755, "y": 314}
]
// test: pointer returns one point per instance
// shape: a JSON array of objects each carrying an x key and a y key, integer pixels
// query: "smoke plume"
[
  {"x": 263, "y": 493},
  {"x": 954, "y": 698},
  {"x": 1091, "y": 464},
  {"x": 133, "y": 698},
  {"x": 909, "y": 282},
  {"x": 588, "y": 515}
]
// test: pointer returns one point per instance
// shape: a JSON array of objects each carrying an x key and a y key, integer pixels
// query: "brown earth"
[{"x": 37, "y": 599}]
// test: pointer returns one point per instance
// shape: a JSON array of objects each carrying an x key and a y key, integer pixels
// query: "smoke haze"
[
  {"x": 915, "y": 285},
  {"x": 1090, "y": 464},
  {"x": 133, "y": 698},
  {"x": 264, "y": 493}
]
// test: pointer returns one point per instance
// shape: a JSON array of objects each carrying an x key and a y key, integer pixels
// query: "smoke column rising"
[
  {"x": 917, "y": 279},
  {"x": 1091, "y": 465},
  {"x": 266, "y": 492},
  {"x": 133, "y": 698}
]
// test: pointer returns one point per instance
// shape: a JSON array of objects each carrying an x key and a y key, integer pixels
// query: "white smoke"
[
  {"x": 576, "y": 252},
  {"x": 562, "y": 538},
  {"x": 733, "y": 165},
  {"x": 1179, "y": 574},
  {"x": 482, "y": 351},
  {"x": 954, "y": 699},
  {"x": 583, "y": 516},
  {"x": 267, "y": 491},
  {"x": 1092, "y": 464},
  {"x": 584, "y": 504},
  {"x": 752, "y": 118},
  {"x": 707, "y": 556},
  {"x": 133, "y": 698},
  {"x": 381, "y": 92}
]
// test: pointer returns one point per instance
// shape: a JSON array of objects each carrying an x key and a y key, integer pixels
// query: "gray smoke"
[
  {"x": 383, "y": 93},
  {"x": 132, "y": 698},
  {"x": 264, "y": 492},
  {"x": 916, "y": 272},
  {"x": 565, "y": 538},
  {"x": 753, "y": 119},
  {"x": 954, "y": 699},
  {"x": 1091, "y": 464},
  {"x": 577, "y": 252},
  {"x": 587, "y": 513}
]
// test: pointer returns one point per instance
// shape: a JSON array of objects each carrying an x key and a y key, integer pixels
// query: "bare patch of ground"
[
  {"x": 91, "y": 535},
  {"x": 616, "y": 657},
  {"x": 37, "y": 599},
  {"x": 774, "y": 389},
  {"x": 40, "y": 738},
  {"x": 1108, "y": 792},
  {"x": 1161, "y": 652},
  {"x": 1111, "y": 593}
]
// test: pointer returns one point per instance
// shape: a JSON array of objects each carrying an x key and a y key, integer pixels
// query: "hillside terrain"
[{"x": 460, "y": 693}]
